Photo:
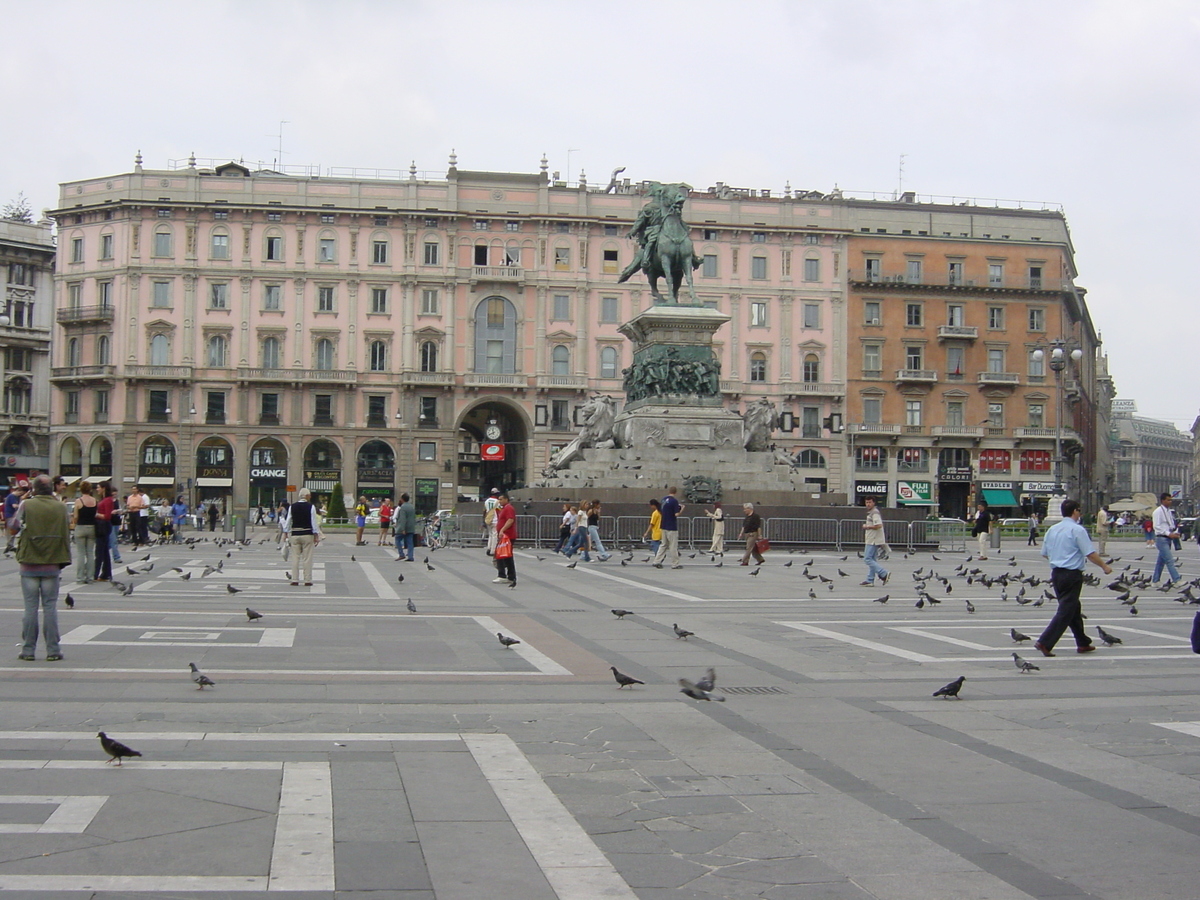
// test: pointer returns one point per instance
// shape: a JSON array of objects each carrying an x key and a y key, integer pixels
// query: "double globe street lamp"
[{"x": 1058, "y": 362}]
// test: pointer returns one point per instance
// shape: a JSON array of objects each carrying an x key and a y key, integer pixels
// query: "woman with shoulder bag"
[
  {"x": 83, "y": 526},
  {"x": 104, "y": 517},
  {"x": 593, "y": 527}
]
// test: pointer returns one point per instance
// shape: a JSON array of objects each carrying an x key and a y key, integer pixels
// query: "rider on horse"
[{"x": 645, "y": 231}]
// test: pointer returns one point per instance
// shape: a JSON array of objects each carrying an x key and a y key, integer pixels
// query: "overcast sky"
[{"x": 1092, "y": 105}]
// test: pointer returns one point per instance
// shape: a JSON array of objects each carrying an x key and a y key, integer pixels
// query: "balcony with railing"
[
  {"x": 494, "y": 379},
  {"x": 1006, "y": 378},
  {"x": 971, "y": 431},
  {"x": 497, "y": 273},
  {"x": 569, "y": 382},
  {"x": 811, "y": 389},
  {"x": 919, "y": 376},
  {"x": 442, "y": 379},
  {"x": 954, "y": 280},
  {"x": 957, "y": 333},
  {"x": 163, "y": 373},
  {"x": 320, "y": 376},
  {"x": 81, "y": 373},
  {"x": 78, "y": 315},
  {"x": 877, "y": 428}
]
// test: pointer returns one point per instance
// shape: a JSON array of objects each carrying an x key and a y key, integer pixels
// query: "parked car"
[{"x": 1024, "y": 523}]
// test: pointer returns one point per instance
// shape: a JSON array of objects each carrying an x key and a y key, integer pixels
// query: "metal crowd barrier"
[{"x": 798, "y": 531}]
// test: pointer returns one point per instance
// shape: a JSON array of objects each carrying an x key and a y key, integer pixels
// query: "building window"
[
  {"x": 954, "y": 273},
  {"x": 496, "y": 308},
  {"x": 218, "y": 295},
  {"x": 872, "y": 410},
  {"x": 995, "y": 360},
  {"x": 870, "y": 459},
  {"x": 914, "y": 357},
  {"x": 221, "y": 214},
  {"x": 73, "y": 357},
  {"x": 912, "y": 271},
  {"x": 1037, "y": 415},
  {"x": 379, "y": 252},
  {"x": 872, "y": 360},
  {"x": 562, "y": 259},
  {"x": 270, "y": 352},
  {"x": 376, "y": 411},
  {"x": 812, "y": 269},
  {"x": 274, "y": 248},
  {"x": 561, "y": 308},
  {"x": 608, "y": 309},
  {"x": 327, "y": 250},
  {"x": 72, "y": 407},
  {"x": 1035, "y": 461},
  {"x": 323, "y": 409},
  {"x": 106, "y": 246},
  {"x": 758, "y": 237},
  {"x": 160, "y": 350},
  {"x": 162, "y": 243},
  {"x": 1037, "y": 365},
  {"x": 74, "y": 295},
  {"x": 495, "y": 336},
  {"x": 560, "y": 419},
  {"x": 378, "y": 361},
  {"x": 954, "y": 362},
  {"x": 160, "y": 405},
  {"x": 995, "y": 415},
  {"x": 268, "y": 409},
  {"x": 429, "y": 356},
  {"x": 810, "y": 459},
  {"x": 429, "y": 411},
  {"x": 1037, "y": 319},
  {"x": 427, "y": 451},
  {"x": 912, "y": 413},
  {"x": 214, "y": 413},
  {"x": 758, "y": 367},
  {"x": 379, "y": 300},
  {"x": 429, "y": 302},
  {"x": 995, "y": 275},
  {"x": 812, "y": 315},
  {"x": 758, "y": 313},
  {"x": 708, "y": 267},
  {"x": 101, "y": 398},
  {"x": 955, "y": 413},
  {"x": 161, "y": 293},
  {"x": 164, "y": 213},
  {"x": 810, "y": 422},
  {"x": 324, "y": 354},
  {"x": 77, "y": 250},
  {"x": 560, "y": 361},
  {"x": 104, "y": 294},
  {"x": 954, "y": 315},
  {"x": 512, "y": 226},
  {"x": 481, "y": 224},
  {"x": 873, "y": 268},
  {"x": 1035, "y": 277},
  {"x": 219, "y": 246},
  {"x": 495, "y": 357},
  {"x": 102, "y": 352},
  {"x": 433, "y": 253},
  {"x": 610, "y": 262},
  {"x": 995, "y": 461},
  {"x": 217, "y": 350},
  {"x": 996, "y": 318},
  {"x": 912, "y": 315},
  {"x": 325, "y": 298},
  {"x": 872, "y": 312},
  {"x": 272, "y": 296},
  {"x": 328, "y": 218},
  {"x": 758, "y": 267},
  {"x": 608, "y": 362},
  {"x": 913, "y": 459},
  {"x": 811, "y": 368},
  {"x": 274, "y": 217}
]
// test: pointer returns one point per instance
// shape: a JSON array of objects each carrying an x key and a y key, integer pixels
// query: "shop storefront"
[
  {"x": 954, "y": 489},
  {"x": 426, "y": 499},
  {"x": 1035, "y": 497},
  {"x": 376, "y": 472},
  {"x": 268, "y": 474},
  {"x": 156, "y": 469},
  {"x": 322, "y": 470},
  {"x": 214, "y": 470},
  {"x": 1000, "y": 498},
  {"x": 876, "y": 489}
]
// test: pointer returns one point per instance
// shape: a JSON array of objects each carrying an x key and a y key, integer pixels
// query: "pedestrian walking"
[
  {"x": 506, "y": 536},
  {"x": 1148, "y": 530},
  {"x": 118, "y": 517},
  {"x": 1102, "y": 521},
  {"x": 214, "y": 513},
  {"x": 16, "y": 493},
  {"x": 490, "y": 506},
  {"x": 361, "y": 510},
  {"x": 874, "y": 540},
  {"x": 179, "y": 514},
  {"x": 405, "y": 529},
  {"x": 137, "y": 509},
  {"x": 717, "y": 514},
  {"x": 1166, "y": 532},
  {"x": 593, "y": 527},
  {"x": 83, "y": 529},
  {"x": 280, "y": 515},
  {"x": 653, "y": 533},
  {"x": 43, "y": 551},
  {"x": 671, "y": 508},
  {"x": 982, "y": 527},
  {"x": 385, "y": 520},
  {"x": 1068, "y": 548},
  {"x": 105, "y": 502},
  {"x": 752, "y": 533},
  {"x": 580, "y": 539},
  {"x": 1033, "y": 530},
  {"x": 565, "y": 528},
  {"x": 304, "y": 533},
  {"x": 260, "y": 517}
]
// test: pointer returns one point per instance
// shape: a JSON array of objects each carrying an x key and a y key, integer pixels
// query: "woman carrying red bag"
[{"x": 506, "y": 535}]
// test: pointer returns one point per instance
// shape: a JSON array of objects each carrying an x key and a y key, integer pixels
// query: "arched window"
[
  {"x": 560, "y": 359},
  {"x": 758, "y": 367},
  {"x": 429, "y": 356},
  {"x": 608, "y": 362},
  {"x": 324, "y": 354},
  {"x": 100, "y": 456},
  {"x": 379, "y": 360},
  {"x": 218, "y": 247},
  {"x": 812, "y": 368},
  {"x": 217, "y": 350},
  {"x": 376, "y": 455},
  {"x": 810, "y": 459},
  {"x": 160, "y": 350},
  {"x": 327, "y": 247},
  {"x": 271, "y": 347},
  {"x": 73, "y": 352},
  {"x": 17, "y": 395},
  {"x": 158, "y": 451},
  {"x": 102, "y": 345},
  {"x": 495, "y": 336}
]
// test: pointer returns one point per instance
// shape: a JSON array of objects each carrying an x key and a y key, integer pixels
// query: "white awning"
[
  {"x": 320, "y": 485},
  {"x": 96, "y": 478},
  {"x": 155, "y": 479},
  {"x": 214, "y": 482}
]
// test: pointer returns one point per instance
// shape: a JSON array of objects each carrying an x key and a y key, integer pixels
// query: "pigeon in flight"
[
  {"x": 506, "y": 641},
  {"x": 208, "y": 570},
  {"x": 1024, "y": 665},
  {"x": 251, "y": 615},
  {"x": 1018, "y": 637},
  {"x": 232, "y": 589},
  {"x": 1109, "y": 639},
  {"x": 412, "y": 607},
  {"x": 709, "y": 681},
  {"x": 624, "y": 680},
  {"x": 70, "y": 601},
  {"x": 621, "y": 613},
  {"x": 200, "y": 678},
  {"x": 682, "y": 632},
  {"x": 951, "y": 689},
  {"x": 115, "y": 749},
  {"x": 696, "y": 693}
]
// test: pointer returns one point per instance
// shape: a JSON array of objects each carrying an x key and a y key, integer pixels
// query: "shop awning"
[
  {"x": 1000, "y": 498},
  {"x": 98, "y": 477},
  {"x": 320, "y": 485},
  {"x": 214, "y": 482},
  {"x": 155, "y": 479}
]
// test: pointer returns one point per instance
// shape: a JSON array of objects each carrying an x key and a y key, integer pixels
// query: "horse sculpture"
[{"x": 666, "y": 250}]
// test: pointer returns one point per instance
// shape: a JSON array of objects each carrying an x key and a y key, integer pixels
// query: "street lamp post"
[{"x": 1058, "y": 362}]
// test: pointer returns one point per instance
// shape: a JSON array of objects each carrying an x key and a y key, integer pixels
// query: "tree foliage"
[
  {"x": 18, "y": 210},
  {"x": 337, "y": 503}
]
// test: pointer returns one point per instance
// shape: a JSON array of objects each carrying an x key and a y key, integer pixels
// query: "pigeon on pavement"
[
  {"x": 622, "y": 613},
  {"x": 1109, "y": 639},
  {"x": 951, "y": 689},
  {"x": 232, "y": 589},
  {"x": 251, "y": 615},
  {"x": 412, "y": 607},
  {"x": 70, "y": 601},
  {"x": 506, "y": 641},
  {"x": 1024, "y": 665},
  {"x": 883, "y": 599},
  {"x": 624, "y": 680},
  {"x": 573, "y": 564},
  {"x": 429, "y": 567},
  {"x": 1018, "y": 637},
  {"x": 682, "y": 632},
  {"x": 200, "y": 678},
  {"x": 400, "y": 578},
  {"x": 115, "y": 749},
  {"x": 696, "y": 693}
]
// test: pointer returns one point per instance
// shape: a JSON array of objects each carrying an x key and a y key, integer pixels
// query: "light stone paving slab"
[{"x": 72, "y": 815}]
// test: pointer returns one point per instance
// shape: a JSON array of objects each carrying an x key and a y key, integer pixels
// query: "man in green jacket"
[
  {"x": 43, "y": 552},
  {"x": 406, "y": 529}
]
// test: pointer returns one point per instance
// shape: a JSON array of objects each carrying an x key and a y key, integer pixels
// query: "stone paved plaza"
[{"x": 352, "y": 749}]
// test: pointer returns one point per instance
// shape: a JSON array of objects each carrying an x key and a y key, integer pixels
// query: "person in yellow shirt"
[
  {"x": 361, "y": 510},
  {"x": 654, "y": 529}
]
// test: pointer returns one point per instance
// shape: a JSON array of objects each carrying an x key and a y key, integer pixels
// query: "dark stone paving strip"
[{"x": 998, "y": 863}]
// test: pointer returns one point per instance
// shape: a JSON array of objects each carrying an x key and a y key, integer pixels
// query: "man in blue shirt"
[
  {"x": 1068, "y": 547},
  {"x": 670, "y": 509}
]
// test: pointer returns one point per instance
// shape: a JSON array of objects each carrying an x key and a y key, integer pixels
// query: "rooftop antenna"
[
  {"x": 278, "y": 163},
  {"x": 900, "y": 177}
]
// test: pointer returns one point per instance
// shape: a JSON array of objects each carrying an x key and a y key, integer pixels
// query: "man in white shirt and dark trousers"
[
  {"x": 1165, "y": 535},
  {"x": 1068, "y": 547}
]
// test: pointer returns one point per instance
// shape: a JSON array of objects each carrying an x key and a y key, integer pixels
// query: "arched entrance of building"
[
  {"x": 376, "y": 471},
  {"x": 489, "y": 425},
  {"x": 100, "y": 461},
  {"x": 214, "y": 470},
  {"x": 322, "y": 470},
  {"x": 70, "y": 459},
  {"x": 156, "y": 468},
  {"x": 268, "y": 473}
]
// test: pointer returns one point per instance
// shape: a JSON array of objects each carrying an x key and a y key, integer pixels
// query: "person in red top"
[
  {"x": 104, "y": 514},
  {"x": 506, "y": 536},
  {"x": 385, "y": 521}
]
